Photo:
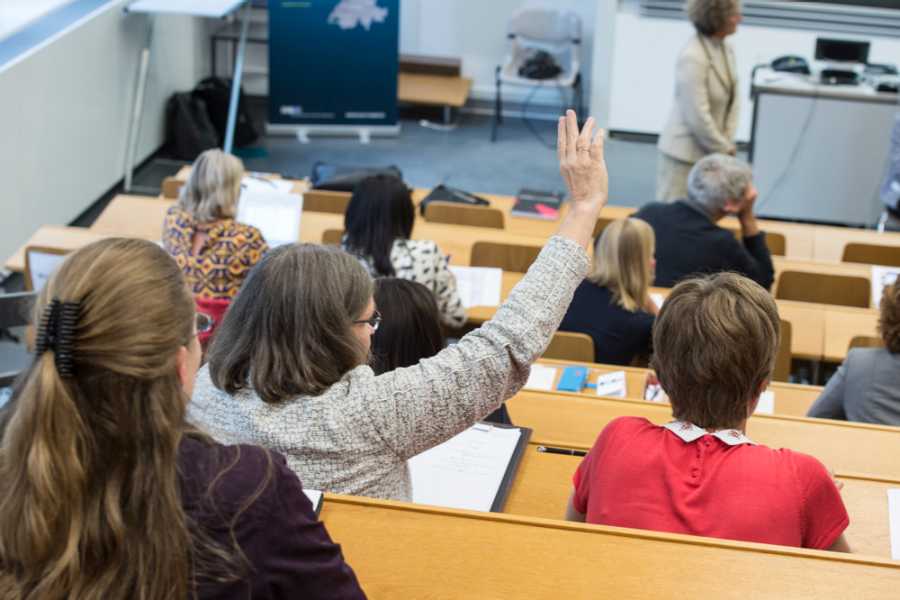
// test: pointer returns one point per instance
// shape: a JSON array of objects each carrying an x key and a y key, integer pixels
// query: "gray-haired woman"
[
  {"x": 213, "y": 250},
  {"x": 287, "y": 367},
  {"x": 704, "y": 117}
]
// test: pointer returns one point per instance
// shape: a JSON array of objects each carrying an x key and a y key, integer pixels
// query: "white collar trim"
[{"x": 689, "y": 432}]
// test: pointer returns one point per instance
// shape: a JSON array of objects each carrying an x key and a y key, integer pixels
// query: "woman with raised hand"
[
  {"x": 106, "y": 492},
  {"x": 613, "y": 305},
  {"x": 288, "y": 366},
  {"x": 378, "y": 224}
]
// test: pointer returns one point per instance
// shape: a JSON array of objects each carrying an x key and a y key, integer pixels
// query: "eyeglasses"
[
  {"x": 374, "y": 321},
  {"x": 204, "y": 323}
]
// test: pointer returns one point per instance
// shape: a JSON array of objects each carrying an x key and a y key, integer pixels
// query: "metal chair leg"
[{"x": 498, "y": 106}]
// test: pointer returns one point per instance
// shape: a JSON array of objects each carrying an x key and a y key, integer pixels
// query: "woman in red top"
[{"x": 715, "y": 342}]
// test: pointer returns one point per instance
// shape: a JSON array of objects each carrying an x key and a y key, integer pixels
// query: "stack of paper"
[
  {"x": 465, "y": 471},
  {"x": 881, "y": 277},
  {"x": 478, "y": 286},
  {"x": 612, "y": 384},
  {"x": 766, "y": 404},
  {"x": 276, "y": 214},
  {"x": 541, "y": 378},
  {"x": 252, "y": 183}
]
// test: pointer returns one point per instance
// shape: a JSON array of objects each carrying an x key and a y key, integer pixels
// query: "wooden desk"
[
  {"x": 790, "y": 399},
  {"x": 401, "y": 550},
  {"x": 544, "y": 482},
  {"x": 842, "y": 446},
  {"x": 134, "y": 216},
  {"x": 53, "y": 236},
  {"x": 433, "y": 90}
]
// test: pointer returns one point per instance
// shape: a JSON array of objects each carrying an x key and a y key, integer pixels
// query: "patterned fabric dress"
[
  {"x": 218, "y": 269},
  {"x": 422, "y": 261}
]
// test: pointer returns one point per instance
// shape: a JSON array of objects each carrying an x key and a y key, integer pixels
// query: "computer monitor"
[{"x": 842, "y": 51}]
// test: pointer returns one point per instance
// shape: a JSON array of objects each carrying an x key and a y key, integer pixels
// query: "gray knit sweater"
[{"x": 356, "y": 437}]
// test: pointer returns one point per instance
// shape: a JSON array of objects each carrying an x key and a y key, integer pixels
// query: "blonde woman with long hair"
[
  {"x": 613, "y": 305},
  {"x": 106, "y": 492}
]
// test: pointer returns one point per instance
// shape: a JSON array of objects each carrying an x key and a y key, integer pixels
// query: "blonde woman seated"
[
  {"x": 288, "y": 369},
  {"x": 214, "y": 251},
  {"x": 613, "y": 305}
]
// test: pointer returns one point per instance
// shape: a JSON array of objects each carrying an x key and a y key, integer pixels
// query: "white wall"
[
  {"x": 643, "y": 77},
  {"x": 475, "y": 31},
  {"x": 64, "y": 114}
]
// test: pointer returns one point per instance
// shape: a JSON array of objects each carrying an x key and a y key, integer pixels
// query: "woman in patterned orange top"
[{"x": 214, "y": 251}]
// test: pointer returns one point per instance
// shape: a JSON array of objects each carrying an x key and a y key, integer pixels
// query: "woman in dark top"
[
  {"x": 107, "y": 493},
  {"x": 612, "y": 305},
  {"x": 409, "y": 330}
]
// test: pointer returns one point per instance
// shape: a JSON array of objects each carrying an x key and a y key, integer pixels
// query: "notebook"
[
  {"x": 276, "y": 214},
  {"x": 315, "y": 496},
  {"x": 478, "y": 286},
  {"x": 472, "y": 470},
  {"x": 537, "y": 204}
]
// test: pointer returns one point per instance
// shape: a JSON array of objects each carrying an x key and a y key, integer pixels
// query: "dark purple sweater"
[{"x": 290, "y": 553}]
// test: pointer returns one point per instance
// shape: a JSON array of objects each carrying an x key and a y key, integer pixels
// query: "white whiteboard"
[{"x": 214, "y": 9}]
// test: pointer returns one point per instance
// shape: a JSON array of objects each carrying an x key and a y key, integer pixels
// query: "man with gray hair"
[{"x": 688, "y": 241}]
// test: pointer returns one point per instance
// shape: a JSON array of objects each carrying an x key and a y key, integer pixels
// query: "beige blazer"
[{"x": 704, "y": 117}]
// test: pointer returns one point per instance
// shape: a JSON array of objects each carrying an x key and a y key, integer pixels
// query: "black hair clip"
[{"x": 57, "y": 332}]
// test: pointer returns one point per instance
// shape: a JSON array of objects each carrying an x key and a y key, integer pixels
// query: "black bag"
[
  {"x": 188, "y": 128},
  {"x": 216, "y": 93},
  {"x": 541, "y": 65},
  {"x": 343, "y": 178},
  {"x": 445, "y": 193}
]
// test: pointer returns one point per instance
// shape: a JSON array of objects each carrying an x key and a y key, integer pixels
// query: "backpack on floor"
[
  {"x": 216, "y": 93},
  {"x": 188, "y": 128}
]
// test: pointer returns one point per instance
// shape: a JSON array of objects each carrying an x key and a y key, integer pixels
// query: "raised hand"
[
  {"x": 581, "y": 161},
  {"x": 583, "y": 167}
]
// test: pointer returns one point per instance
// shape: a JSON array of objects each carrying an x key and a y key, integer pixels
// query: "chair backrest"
[
  {"x": 171, "y": 187},
  {"x": 546, "y": 25},
  {"x": 16, "y": 309},
  {"x": 214, "y": 308},
  {"x": 40, "y": 263},
  {"x": 866, "y": 341},
  {"x": 326, "y": 201},
  {"x": 824, "y": 288},
  {"x": 601, "y": 224},
  {"x": 454, "y": 213},
  {"x": 567, "y": 345},
  {"x": 782, "y": 371},
  {"x": 509, "y": 257},
  {"x": 332, "y": 237},
  {"x": 872, "y": 254},
  {"x": 775, "y": 242}
]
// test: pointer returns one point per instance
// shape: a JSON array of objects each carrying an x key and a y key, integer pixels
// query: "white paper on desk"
[
  {"x": 467, "y": 470},
  {"x": 478, "y": 286},
  {"x": 315, "y": 496},
  {"x": 658, "y": 299},
  {"x": 612, "y": 384},
  {"x": 275, "y": 214},
  {"x": 264, "y": 184},
  {"x": 541, "y": 378},
  {"x": 766, "y": 404},
  {"x": 894, "y": 521},
  {"x": 881, "y": 277}
]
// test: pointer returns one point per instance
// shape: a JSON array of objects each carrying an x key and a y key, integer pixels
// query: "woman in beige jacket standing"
[{"x": 705, "y": 114}]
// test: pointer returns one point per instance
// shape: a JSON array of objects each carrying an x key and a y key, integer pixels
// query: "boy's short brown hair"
[{"x": 715, "y": 343}]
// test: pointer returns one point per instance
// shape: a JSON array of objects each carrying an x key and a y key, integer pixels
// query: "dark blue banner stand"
[{"x": 333, "y": 67}]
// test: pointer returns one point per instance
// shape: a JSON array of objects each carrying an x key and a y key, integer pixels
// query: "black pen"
[{"x": 565, "y": 451}]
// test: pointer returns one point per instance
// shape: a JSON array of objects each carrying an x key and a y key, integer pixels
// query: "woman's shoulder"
[{"x": 418, "y": 247}]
